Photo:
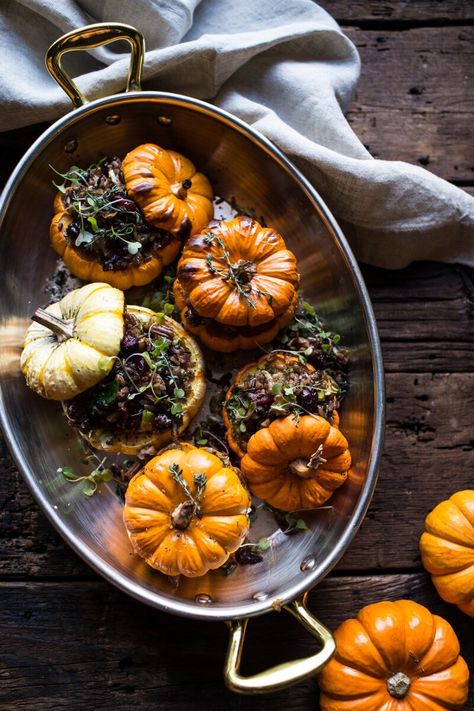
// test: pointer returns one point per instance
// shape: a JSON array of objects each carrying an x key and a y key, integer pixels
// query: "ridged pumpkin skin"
[
  {"x": 296, "y": 463},
  {"x": 59, "y": 368},
  {"x": 395, "y": 656},
  {"x": 227, "y": 339},
  {"x": 168, "y": 190},
  {"x": 241, "y": 246},
  {"x": 91, "y": 269},
  {"x": 151, "y": 514},
  {"x": 447, "y": 549}
]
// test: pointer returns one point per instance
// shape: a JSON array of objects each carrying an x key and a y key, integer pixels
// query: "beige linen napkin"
[{"x": 284, "y": 67}]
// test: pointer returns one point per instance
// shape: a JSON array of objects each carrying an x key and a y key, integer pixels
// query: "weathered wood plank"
[
  {"x": 414, "y": 101},
  {"x": 400, "y": 11},
  {"x": 86, "y": 645},
  {"x": 425, "y": 316},
  {"x": 429, "y": 453}
]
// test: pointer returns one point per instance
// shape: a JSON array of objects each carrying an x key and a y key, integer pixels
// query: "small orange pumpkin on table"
[
  {"x": 186, "y": 511},
  {"x": 122, "y": 223},
  {"x": 296, "y": 462},
  {"x": 447, "y": 549},
  {"x": 236, "y": 284},
  {"x": 395, "y": 656}
]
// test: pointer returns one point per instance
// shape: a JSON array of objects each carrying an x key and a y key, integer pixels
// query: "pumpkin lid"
[
  {"x": 71, "y": 344},
  {"x": 171, "y": 193},
  {"x": 238, "y": 273}
]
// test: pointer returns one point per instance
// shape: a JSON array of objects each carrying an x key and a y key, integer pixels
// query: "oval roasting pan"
[{"x": 246, "y": 167}]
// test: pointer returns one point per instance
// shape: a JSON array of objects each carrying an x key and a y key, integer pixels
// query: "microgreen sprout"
[{"x": 91, "y": 481}]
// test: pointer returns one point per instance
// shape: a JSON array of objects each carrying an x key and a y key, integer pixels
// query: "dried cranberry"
[
  {"x": 126, "y": 204},
  {"x": 162, "y": 422},
  {"x": 140, "y": 365},
  {"x": 247, "y": 555},
  {"x": 263, "y": 399},
  {"x": 72, "y": 231},
  {"x": 132, "y": 408},
  {"x": 129, "y": 344},
  {"x": 308, "y": 398}
]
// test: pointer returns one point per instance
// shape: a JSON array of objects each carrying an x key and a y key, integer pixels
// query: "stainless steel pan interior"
[{"x": 244, "y": 165}]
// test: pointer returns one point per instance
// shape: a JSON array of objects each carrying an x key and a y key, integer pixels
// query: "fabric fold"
[{"x": 285, "y": 67}]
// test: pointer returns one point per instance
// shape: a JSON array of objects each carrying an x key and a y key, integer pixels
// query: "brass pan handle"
[
  {"x": 95, "y": 36},
  {"x": 282, "y": 675}
]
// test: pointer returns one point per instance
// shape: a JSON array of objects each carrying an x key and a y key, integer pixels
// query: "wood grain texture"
[
  {"x": 406, "y": 11},
  {"x": 425, "y": 317},
  {"x": 138, "y": 657},
  {"x": 414, "y": 101}
]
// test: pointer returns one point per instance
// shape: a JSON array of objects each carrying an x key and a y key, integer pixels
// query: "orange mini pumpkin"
[
  {"x": 296, "y": 463},
  {"x": 447, "y": 549},
  {"x": 169, "y": 191},
  {"x": 395, "y": 656},
  {"x": 236, "y": 284},
  {"x": 186, "y": 511},
  {"x": 278, "y": 384}
]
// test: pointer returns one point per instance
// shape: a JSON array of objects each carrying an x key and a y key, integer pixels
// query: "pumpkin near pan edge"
[
  {"x": 447, "y": 549},
  {"x": 395, "y": 656},
  {"x": 296, "y": 462},
  {"x": 90, "y": 269},
  {"x": 186, "y": 511},
  {"x": 61, "y": 363}
]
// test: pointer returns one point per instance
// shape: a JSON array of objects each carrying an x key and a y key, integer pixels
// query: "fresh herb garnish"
[
  {"x": 90, "y": 481},
  {"x": 106, "y": 223},
  {"x": 199, "y": 481}
]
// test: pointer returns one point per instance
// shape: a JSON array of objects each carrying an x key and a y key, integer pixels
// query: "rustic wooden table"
[{"x": 71, "y": 641}]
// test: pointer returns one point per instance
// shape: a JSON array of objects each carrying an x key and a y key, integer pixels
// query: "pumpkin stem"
[
  {"x": 181, "y": 516},
  {"x": 300, "y": 468},
  {"x": 305, "y": 469},
  {"x": 62, "y": 329},
  {"x": 180, "y": 190},
  {"x": 398, "y": 685},
  {"x": 242, "y": 271}
]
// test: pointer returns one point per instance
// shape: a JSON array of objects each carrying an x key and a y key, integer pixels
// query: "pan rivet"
[
  {"x": 260, "y": 596},
  {"x": 165, "y": 120},
  {"x": 113, "y": 119},
  {"x": 203, "y": 598},
  {"x": 70, "y": 146},
  {"x": 308, "y": 564}
]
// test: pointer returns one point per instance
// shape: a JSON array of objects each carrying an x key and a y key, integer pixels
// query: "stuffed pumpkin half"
[{"x": 129, "y": 378}]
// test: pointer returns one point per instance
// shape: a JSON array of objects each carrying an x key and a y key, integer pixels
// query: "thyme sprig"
[
  {"x": 199, "y": 481},
  {"x": 239, "y": 273}
]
